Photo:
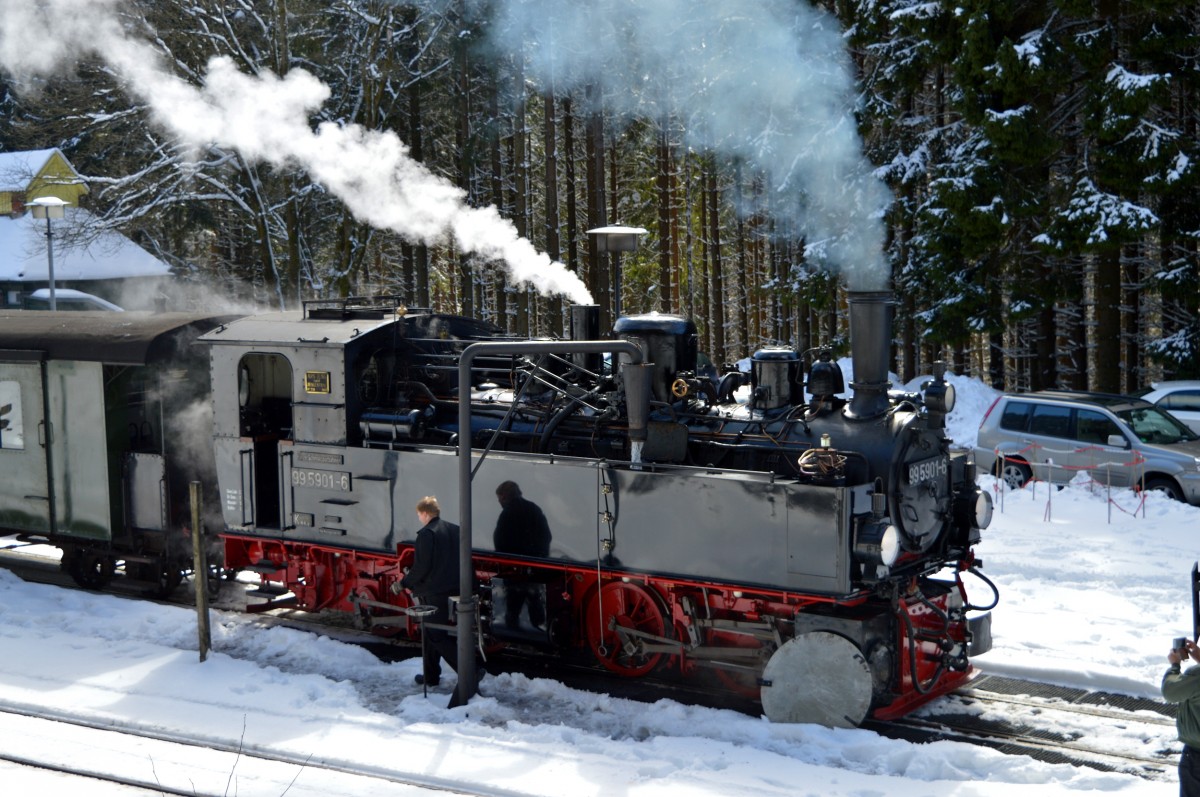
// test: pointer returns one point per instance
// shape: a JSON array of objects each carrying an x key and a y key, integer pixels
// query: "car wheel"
[
  {"x": 1013, "y": 472},
  {"x": 1164, "y": 485}
]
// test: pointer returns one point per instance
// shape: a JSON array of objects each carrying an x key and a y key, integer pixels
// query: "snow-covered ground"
[{"x": 1092, "y": 592}]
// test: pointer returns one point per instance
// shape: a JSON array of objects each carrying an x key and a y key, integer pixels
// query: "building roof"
[
  {"x": 18, "y": 168},
  {"x": 23, "y": 256}
]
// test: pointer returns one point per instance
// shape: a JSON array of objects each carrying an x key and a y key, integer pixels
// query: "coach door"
[
  {"x": 79, "y": 449},
  {"x": 25, "y": 501}
]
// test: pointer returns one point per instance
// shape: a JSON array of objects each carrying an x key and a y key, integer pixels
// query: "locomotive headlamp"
[
  {"x": 983, "y": 509},
  {"x": 877, "y": 544},
  {"x": 940, "y": 396}
]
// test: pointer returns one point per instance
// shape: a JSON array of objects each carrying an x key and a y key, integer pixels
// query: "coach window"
[{"x": 12, "y": 432}]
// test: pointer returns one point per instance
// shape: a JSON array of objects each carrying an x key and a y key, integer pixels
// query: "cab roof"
[
  {"x": 296, "y": 328},
  {"x": 129, "y": 338}
]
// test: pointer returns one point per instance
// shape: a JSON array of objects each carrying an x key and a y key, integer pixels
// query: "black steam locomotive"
[{"x": 807, "y": 551}]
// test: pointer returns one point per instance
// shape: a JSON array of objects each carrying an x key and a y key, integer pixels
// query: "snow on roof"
[
  {"x": 18, "y": 168},
  {"x": 108, "y": 256}
]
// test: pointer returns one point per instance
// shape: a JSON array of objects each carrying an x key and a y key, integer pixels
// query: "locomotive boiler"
[{"x": 753, "y": 531}]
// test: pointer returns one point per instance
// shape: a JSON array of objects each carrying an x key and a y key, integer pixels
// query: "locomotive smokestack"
[
  {"x": 585, "y": 325},
  {"x": 870, "y": 344}
]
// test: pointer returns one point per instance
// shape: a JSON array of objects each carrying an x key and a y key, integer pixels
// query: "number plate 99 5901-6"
[
  {"x": 932, "y": 469},
  {"x": 321, "y": 479}
]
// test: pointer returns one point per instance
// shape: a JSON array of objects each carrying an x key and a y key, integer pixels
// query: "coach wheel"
[
  {"x": 91, "y": 570},
  {"x": 619, "y": 605},
  {"x": 167, "y": 580},
  {"x": 1013, "y": 472},
  {"x": 217, "y": 574}
]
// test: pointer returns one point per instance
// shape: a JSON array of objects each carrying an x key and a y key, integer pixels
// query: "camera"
[{"x": 1180, "y": 644}]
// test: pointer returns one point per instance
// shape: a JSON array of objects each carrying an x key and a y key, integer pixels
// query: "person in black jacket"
[
  {"x": 432, "y": 579},
  {"x": 521, "y": 529}
]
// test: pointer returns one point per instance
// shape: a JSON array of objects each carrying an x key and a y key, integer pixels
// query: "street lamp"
[
  {"x": 49, "y": 207},
  {"x": 616, "y": 240}
]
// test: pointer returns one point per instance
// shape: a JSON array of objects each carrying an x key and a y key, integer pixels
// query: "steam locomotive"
[{"x": 726, "y": 528}]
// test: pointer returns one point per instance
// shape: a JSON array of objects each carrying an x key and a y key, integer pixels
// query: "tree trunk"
[
  {"x": 598, "y": 272},
  {"x": 1107, "y": 371},
  {"x": 419, "y": 260},
  {"x": 716, "y": 279},
  {"x": 1131, "y": 315},
  {"x": 666, "y": 213},
  {"x": 553, "y": 244},
  {"x": 499, "y": 284},
  {"x": 572, "y": 189},
  {"x": 466, "y": 167},
  {"x": 520, "y": 206}
]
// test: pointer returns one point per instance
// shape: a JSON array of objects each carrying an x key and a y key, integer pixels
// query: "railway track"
[
  {"x": 170, "y": 763},
  {"x": 1018, "y": 717},
  {"x": 1053, "y": 724}
]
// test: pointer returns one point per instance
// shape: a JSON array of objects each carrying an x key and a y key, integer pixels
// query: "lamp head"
[
  {"x": 48, "y": 207},
  {"x": 616, "y": 239}
]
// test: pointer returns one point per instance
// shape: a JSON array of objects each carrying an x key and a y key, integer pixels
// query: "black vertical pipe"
[
  {"x": 468, "y": 607},
  {"x": 870, "y": 347}
]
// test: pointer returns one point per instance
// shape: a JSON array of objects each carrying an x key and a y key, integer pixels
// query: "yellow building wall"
[{"x": 56, "y": 178}]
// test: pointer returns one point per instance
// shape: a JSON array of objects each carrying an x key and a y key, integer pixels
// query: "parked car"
[
  {"x": 1123, "y": 441},
  {"x": 1181, "y": 399},
  {"x": 68, "y": 299}
]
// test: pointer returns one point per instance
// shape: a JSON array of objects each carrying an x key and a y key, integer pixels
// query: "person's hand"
[{"x": 1189, "y": 650}]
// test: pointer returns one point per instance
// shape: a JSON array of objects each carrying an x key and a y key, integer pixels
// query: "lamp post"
[
  {"x": 616, "y": 240},
  {"x": 49, "y": 207}
]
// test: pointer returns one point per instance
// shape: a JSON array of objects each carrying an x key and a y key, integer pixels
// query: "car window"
[
  {"x": 1152, "y": 425},
  {"x": 1050, "y": 420},
  {"x": 1094, "y": 427},
  {"x": 1016, "y": 416}
]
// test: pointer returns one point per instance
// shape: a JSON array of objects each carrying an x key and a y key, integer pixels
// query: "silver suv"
[{"x": 1119, "y": 440}]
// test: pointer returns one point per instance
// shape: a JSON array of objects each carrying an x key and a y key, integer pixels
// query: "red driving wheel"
[{"x": 630, "y": 606}]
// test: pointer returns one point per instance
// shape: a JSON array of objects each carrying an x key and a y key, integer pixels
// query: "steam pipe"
[
  {"x": 637, "y": 403},
  {"x": 870, "y": 347},
  {"x": 468, "y": 606}
]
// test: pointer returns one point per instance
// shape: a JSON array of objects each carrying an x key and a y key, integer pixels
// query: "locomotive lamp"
[
  {"x": 615, "y": 240},
  {"x": 49, "y": 207}
]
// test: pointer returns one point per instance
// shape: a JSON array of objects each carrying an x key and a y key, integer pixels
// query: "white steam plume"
[
  {"x": 266, "y": 118},
  {"x": 767, "y": 81}
]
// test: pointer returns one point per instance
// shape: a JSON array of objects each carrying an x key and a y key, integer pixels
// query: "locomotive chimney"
[
  {"x": 870, "y": 345},
  {"x": 585, "y": 325}
]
